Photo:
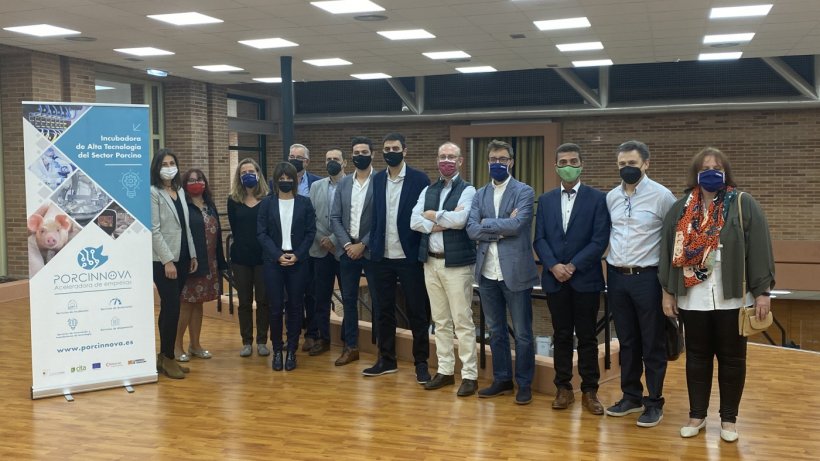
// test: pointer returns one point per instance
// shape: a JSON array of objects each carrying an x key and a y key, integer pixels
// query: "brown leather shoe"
[
  {"x": 563, "y": 399},
  {"x": 348, "y": 355},
  {"x": 590, "y": 401},
  {"x": 308, "y": 344},
  {"x": 320, "y": 346}
]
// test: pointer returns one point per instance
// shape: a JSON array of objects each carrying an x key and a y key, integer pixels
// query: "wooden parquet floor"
[{"x": 238, "y": 409}]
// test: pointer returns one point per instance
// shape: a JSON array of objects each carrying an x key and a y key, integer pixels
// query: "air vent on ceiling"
[
  {"x": 240, "y": 72},
  {"x": 552, "y": 66},
  {"x": 81, "y": 38},
  {"x": 134, "y": 59},
  {"x": 370, "y": 17},
  {"x": 456, "y": 60},
  {"x": 517, "y": 36},
  {"x": 725, "y": 45}
]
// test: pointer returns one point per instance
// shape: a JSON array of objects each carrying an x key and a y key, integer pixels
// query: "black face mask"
[
  {"x": 298, "y": 164},
  {"x": 631, "y": 174},
  {"x": 362, "y": 162},
  {"x": 285, "y": 186},
  {"x": 393, "y": 158},
  {"x": 334, "y": 168}
]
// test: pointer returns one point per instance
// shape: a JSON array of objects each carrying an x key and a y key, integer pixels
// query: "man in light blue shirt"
[{"x": 637, "y": 208}]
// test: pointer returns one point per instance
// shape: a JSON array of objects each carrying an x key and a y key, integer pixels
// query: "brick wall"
[
  {"x": 78, "y": 78},
  {"x": 219, "y": 171},
  {"x": 186, "y": 122}
]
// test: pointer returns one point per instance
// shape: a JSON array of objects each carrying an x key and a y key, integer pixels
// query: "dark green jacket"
[{"x": 754, "y": 249}]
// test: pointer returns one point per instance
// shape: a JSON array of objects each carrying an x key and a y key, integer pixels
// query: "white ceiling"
[{"x": 632, "y": 31}]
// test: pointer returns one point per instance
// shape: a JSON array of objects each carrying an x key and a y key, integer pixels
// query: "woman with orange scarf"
[{"x": 704, "y": 249}]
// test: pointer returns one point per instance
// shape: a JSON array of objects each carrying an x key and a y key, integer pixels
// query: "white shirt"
[
  {"x": 448, "y": 219},
  {"x": 492, "y": 267},
  {"x": 392, "y": 242},
  {"x": 286, "y": 218},
  {"x": 635, "y": 237},
  {"x": 708, "y": 294},
  {"x": 567, "y": 202},
  {"x": 357, "y": 196}
]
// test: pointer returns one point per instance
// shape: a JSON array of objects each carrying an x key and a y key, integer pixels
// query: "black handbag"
[{"x": 674, "y": 338}]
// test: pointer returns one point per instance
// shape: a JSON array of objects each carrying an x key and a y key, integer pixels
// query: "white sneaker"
[
  {"x": 246, "y": 351},
  {"x": 262, "y": 350}
]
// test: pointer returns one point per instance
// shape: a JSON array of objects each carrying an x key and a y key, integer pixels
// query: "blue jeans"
[
  {"x": 496, "y": 300},
  {"x": 350, "y": 272}
]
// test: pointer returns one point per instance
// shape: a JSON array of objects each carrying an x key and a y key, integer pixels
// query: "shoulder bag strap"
[{"x": 743, "y": 233}]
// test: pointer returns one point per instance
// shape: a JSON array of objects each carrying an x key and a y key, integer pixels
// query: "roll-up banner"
[{"x": 89, "y": 246}]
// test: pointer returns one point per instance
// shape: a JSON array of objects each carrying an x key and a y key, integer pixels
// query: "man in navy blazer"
[
  {"x": 501, "y": 220},
  {"x": 394, "y": 249},
  {"x": 571, "y": 235}
]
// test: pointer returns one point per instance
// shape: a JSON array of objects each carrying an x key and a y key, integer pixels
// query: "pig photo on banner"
[{"x": 49, "y": 231}]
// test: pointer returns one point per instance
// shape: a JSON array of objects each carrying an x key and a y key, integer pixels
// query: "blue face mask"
[
  {"x": 249, "y": 180},
  {"x": 711, "y": 180},
  {"x": 499, "y": 171}
]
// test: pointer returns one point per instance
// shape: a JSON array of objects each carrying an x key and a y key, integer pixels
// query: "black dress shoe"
[
  {"x": 468, "y": 387},
  {"x": 290, "y": 361},
  {"x": 439, "y": 381},
  {"x": 277, "y": 363},
  {"x": 496, "y": 388}
]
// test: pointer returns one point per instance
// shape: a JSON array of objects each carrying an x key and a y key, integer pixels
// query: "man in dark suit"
[
  {"x": 571, "y": 235},
  {"x": 394, "y": 249},
  {"x": 350, "y": 219},
  {"x": 501, "y": 220}
]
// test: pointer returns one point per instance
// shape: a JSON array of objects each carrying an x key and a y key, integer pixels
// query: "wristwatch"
[{"x": 766, "y": 293}]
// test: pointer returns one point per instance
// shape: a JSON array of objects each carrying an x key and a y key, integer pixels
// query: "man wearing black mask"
[
  {"x": 324, "y": 252},
  {"x": 637, "y": 208},
  {"x": 299, "y": 157},
  {"x": 350, "y": 219}
]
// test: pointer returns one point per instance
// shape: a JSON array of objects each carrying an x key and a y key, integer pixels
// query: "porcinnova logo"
[{"x": 91, "y": 258}]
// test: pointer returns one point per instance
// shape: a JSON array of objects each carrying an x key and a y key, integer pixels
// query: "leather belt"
[
  {"x": 633, "y": 270},
  {"x": 435, "y": 255}
]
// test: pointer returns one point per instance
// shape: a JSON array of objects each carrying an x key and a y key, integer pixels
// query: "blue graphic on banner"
[
  {"x": 112, "y": 145},
  {"x": 91, "y": 258}
]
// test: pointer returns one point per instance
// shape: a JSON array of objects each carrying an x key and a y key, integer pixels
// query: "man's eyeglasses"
[
  {"x": 502, "y": 160},
  {"x": 296, "y": 157}
]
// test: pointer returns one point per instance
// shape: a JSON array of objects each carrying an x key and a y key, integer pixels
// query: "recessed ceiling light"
[
  {"x": 156, "y": 72},
  {"x": 728, "y": 38},
  {"x": 269, "y": 79},
  {"x": 102, "y": 87},
  {"x": 410, "y": 34},
  {"x": 585, "y": 46},
  {"x": 144, "y": 51},
  {"x": 327, "y": 62},
  {"x": 373, "y": 76},
  {"x": 219, "y": 68},
  {"x": 348, "y": 6},
  {"x": 475, "y": 69},
  {"x": 740, "y": 11},
  {"x": 592, "y": 63},
  {"x": 557, "y": 24},
  {"x": 719, "y": 56},
  {"x": 185, "y": 19},
  {"x": 41, "y": 30},
  {"x": 265, "y": 43},
  {"x": 447, "y": 55}
]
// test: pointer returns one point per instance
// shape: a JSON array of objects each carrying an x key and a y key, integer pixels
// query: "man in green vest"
[{"x": 448, "y": 254}]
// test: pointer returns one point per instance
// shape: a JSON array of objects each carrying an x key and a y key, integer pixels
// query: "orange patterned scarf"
[{"x": 697, "y": 235}]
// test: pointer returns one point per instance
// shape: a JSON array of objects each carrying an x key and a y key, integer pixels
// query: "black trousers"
[
  {"x": 250, "y": 284},
  {"x": 169, "y": 291},
  {"x": 278, "y": 281},
  {"x": 710, "y": 334},
  {"x": 410, "y": 273},
  {"x": 635, "y": 303},
  {"x": 325, "y": 273},
  {"x": 572, "y": 311}
]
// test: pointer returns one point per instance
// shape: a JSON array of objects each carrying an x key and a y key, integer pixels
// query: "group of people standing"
[{"x": 696, "y": 257}]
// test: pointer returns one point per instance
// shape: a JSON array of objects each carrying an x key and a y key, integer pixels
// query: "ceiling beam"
[
  {"x": 420, "y": 94},
  {"x": 603, "y": 85},
  {"x": 791, "y": 77},
  {"x": 578, "y": 85},
  {"x": 405, "y": 95},
  {"x": 817, "y": 74}
]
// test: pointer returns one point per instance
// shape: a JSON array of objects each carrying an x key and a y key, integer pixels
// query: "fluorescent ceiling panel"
[
  {"x": 41, "y": 30},
  {"x": 585, "y": 46},
  {"x": 728, "y": 38},
  {"x": 558, "y": 24},
  {"x": 447, "y": 55},
  {"x": 185, "y": 19},
  {"x": 102, "y": 87},
  {"x": 219, "y": 68},
  {"x": 144, "y": 51},
  {"x": 372, "y": 76},
  {"x": 592, "y": 63},
  {"x": 475, "y": 69},
  {"x": 266, "y": 43},
  {"x": 348, "y": 6},
  {"x": 327, "y": 62},
  {"x": 719, "y": 56},
  {"x": 740, "y": 11},
  {"x": 269, "y": 79},
  {"x": 410, "y": 34}
]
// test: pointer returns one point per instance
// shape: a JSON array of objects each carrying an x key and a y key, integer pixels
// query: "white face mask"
[{"x": 168, "y": 172}]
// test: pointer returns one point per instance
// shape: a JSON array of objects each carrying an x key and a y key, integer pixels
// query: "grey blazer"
[
  {"x": 513, "y": 235},
  {"x": 321, "y": 205},
  {"x": 340, "y": 215},
  {"x": 166, "y": 232}
]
